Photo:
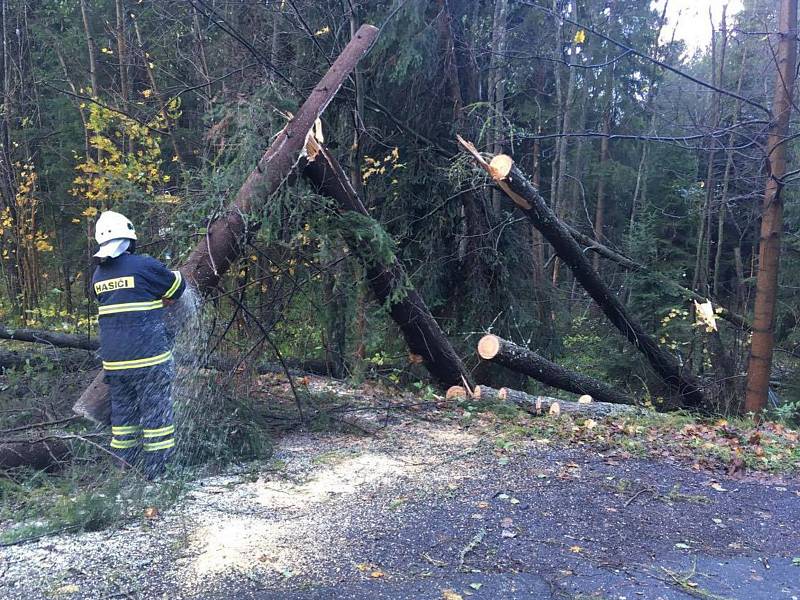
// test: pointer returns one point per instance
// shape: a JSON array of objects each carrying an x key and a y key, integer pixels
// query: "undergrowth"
[{"x": 734, "y": 445}]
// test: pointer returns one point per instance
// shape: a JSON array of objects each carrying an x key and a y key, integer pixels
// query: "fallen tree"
[
  {"x": 228, "y": 234},
  {"x": 527, "y": 199},
  {"x": 527, "y": 362},
  {"x": 592, "y": 244},
  {"x": 51, "y": 338},
  {"x": 386, "y": 277}
]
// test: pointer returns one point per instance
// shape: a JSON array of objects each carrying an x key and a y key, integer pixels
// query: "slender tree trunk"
[
  {"x": 148, "y": 67},
  {"x": 90, "y": 48},
  {"x": 600, "y": 208},
  {"x": 122, "y": 52},
  {"x": 761, "y": 349},
  {"x": 723, "y": 201},
  {"x": 700, "y": 281},
  {"x": 557, "y": 201},
  {"x": 497, "y": 88}
]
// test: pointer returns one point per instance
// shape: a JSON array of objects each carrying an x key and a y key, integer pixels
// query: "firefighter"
[{"x": 132, "y": 291}]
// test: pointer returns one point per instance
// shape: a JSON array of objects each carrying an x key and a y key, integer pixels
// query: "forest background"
[{"x": 160, "y": 110}]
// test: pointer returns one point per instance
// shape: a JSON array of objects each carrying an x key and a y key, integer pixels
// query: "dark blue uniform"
[{"x": 136, "y": 349}]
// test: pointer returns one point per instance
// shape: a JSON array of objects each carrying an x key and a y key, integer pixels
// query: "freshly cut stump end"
[
  {"x": 488, "y": 347},
  {"x": 456, "y": 391},
  {"x": 500, "y": 166}
]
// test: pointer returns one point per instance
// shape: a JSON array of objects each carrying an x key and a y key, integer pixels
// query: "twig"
[
  {"x": 473, "y": 543},
  {"x": 38, "y": 425},
  {"x": 34, "y": 538},
  {"x": 637, "y": 494}
]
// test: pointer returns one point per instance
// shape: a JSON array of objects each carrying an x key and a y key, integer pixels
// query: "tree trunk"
[
  {"x": 497, "y": 88},
  {"x": 723, "y": 201},
  {"x": 51, "y": 338},
  {"x": 539, "y": 405},
  {"x": 227, "y": 236},
  {"x": 527, "y": 198},
  {"x": 760, "y": 366},
  {"x": 600, "y": 208},
  {"x": 386, "y": 277},
  {"x": 90, "y": 48},
  {"x": 122, "y": 52},
  {"x": 529, "y": 363}
]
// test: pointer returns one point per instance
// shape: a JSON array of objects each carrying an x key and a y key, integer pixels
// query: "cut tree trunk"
[
  {"x": 538, "y": 405},
  {"x": 525, "y": 361},
  {"x": 386, "y": 276},
  {"x": 227, "y": 235},
  {"x": 511, "y": 180}
]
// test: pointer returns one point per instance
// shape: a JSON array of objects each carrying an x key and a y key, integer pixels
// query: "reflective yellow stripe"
[
  {"x": 123, "y": 444},
  {"x": 175, "y": 286},
  {"x": 111, "y": 309},
  {"x": 137, "y": 364},
  {"x": 170, "y": 443},
  {"x": 150, "y": 433},
  {"x": 125, "y": 429}
]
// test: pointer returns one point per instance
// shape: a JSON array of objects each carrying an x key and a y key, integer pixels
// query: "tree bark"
[
  {"x": 387, "y": 278},
  {"x": 527, "y": 198},
  {"x": 227, "y": 236},
  {"x": 761, "y": 348},
  {"x": 533, "y": 365},
  {"x": 122, "y": 52}
]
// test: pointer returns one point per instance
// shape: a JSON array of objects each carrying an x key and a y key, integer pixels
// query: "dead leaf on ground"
[{"x": 451, "y": 595}]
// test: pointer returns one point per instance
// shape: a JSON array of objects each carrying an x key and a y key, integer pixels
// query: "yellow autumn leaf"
[
  {"x": 322, "y": 31},
  {"x": 89, "y": 212},
  {"x": 576, "y": 549},
  {"x": 580, "y": 36},
  {"x": 147, "y": 93}
]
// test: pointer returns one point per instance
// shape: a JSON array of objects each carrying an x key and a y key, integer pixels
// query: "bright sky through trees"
[{"x": 692, "y": 20}]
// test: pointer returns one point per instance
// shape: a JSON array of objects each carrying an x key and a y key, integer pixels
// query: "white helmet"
[{"x": 111, "y": 226}]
